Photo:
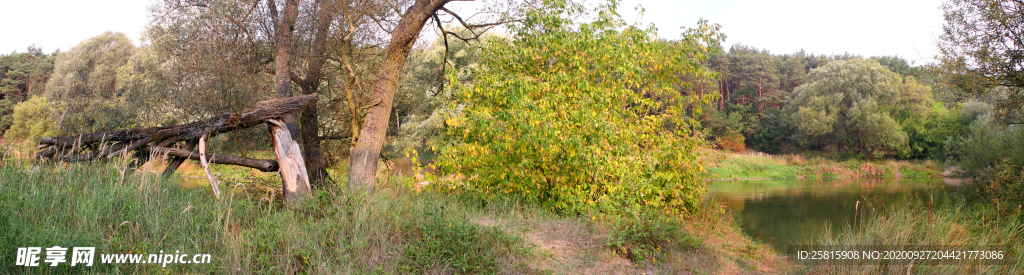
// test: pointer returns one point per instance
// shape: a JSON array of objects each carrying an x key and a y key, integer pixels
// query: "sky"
[
  {"x": 61, "y": 24},
  {"x": 906, "y": 28}
]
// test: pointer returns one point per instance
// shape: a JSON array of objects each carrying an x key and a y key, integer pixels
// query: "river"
[{"x": 787, "y": 212}]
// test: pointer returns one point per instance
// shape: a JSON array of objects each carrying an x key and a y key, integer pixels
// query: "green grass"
[
  {"x": 398, "y": 229},
  {"x": 751, "y": 166},
  {"x": 764, "y": 166},
  {"x": 96, "y": 205}
]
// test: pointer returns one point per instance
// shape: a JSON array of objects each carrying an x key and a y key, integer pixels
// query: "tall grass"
[
  {"x": 117, "y": 210},
  {"x": 916, "y": 226}
]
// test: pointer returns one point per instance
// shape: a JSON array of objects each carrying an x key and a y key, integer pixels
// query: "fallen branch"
[
  {"x": 206, "y": 166},
  {"x": 264, "y": 165}
]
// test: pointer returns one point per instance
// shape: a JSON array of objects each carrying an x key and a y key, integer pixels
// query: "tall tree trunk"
[
  {"x": 364, "y": 155},
  {"x": 727, "y": 91},
  {"x": 284, "y": 27},
  {"x": 309, "y": 116},
  {"x": 721, "y": 94},
  {"x": 315, "y": 164}
]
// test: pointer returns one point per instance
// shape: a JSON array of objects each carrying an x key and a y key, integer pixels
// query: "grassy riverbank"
[
  {"x": 988, "y": 217},
  {"x": 399, "y": 229},
  {"x": 790, "y": 166},
  {"x": 960, "y": 226}
]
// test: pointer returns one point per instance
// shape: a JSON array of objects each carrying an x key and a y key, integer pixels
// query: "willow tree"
[
  {"x": 365, "y": 152},
  {"x": 983, "y": 47},
  {"x": 84, "y": 87},
  {"x": 857, "y": 101}
]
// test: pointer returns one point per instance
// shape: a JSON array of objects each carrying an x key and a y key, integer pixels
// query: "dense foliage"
[
  {"x": 982, "y": 48},
  {"x": 583, "y": 116},
  {"x": 32, "y": 119},
  {"x": 982, "y": 54},
  {"x": 84, "y": 84},
  {"x": 22, "y": 75},
  {"x": 857, "y": 101},
  {"x": 759, "y": 99}
]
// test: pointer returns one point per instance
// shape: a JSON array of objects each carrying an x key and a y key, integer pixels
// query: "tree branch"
[{"x": 264, "y": 165}]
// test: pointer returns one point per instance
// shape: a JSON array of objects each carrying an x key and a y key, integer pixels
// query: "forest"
[{"x": 477, "y": 148}]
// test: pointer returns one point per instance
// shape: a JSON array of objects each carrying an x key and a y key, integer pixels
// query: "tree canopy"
[
  {"x": 84, "y": 86},
  {"x": 983, "y": 46},
  {"x": 569, "y": 113},
  {"x": 32, "y": 119},
  {"x": 857, "y": 100}
]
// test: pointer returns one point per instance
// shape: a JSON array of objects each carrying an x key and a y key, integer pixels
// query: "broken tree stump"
[
  {"x": 104, "y": 144},
  {"x": 289, "y": 157}
]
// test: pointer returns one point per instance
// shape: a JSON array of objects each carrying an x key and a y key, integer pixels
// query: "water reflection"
[{"x": 785, "y": 212}]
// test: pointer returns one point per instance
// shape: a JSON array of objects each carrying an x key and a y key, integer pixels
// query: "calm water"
[{"x": 786, "y": 212}]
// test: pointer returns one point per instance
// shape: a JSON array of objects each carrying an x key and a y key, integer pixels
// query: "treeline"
[
  {"x": 22, "y": 75},
  {"x": 846, "y": 105}
]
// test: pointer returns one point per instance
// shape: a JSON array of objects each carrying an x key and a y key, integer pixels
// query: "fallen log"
[
  {"x": 178, "y": 160},
  {"x": 264, "y": 165},
  {"x": 251, "y": 116},
  {"x": 107, "y": 144}
]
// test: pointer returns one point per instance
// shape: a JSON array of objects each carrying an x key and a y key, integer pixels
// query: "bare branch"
[
  {"x": 264, "y": 165},
  {"x": 471, "y": 27}
]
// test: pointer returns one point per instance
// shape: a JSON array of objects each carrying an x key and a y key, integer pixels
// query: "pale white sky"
[
  {"x": 62, "y": 24},
  {"x": 908, "y": 28}
]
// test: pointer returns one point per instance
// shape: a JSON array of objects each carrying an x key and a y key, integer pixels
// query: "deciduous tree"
[
  {"x": 366, "y": 152},
  {"x": 983, "y": 46},
  {"x": 83, "y": 87},
  {"x": 855, "y": 100},
  {"x": 566, "y": 114}
]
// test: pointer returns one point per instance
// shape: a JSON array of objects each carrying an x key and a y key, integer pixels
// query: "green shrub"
[
  {"x": 32, "y": 118},
  {"x": 580, "y": 132},
  {"x": 1003, "y": 186},
  {"x": 442, "y": 244},
  {"x": 644, "y": 235},
  {"x": 6, "y": 110}
]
